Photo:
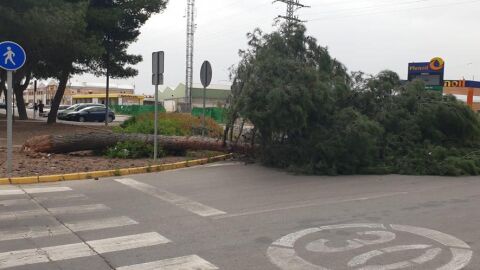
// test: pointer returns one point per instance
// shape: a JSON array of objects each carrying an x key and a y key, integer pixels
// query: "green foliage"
[
  {"x": 170, "y": 124},
  {"x": 313, "y": 117},
  {"x": 132, "y": 150}
]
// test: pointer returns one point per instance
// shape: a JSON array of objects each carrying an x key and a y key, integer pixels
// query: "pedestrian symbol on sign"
[{"x": 9, "y": 55}]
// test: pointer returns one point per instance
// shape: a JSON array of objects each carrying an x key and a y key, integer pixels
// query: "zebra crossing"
[{"x": 12, "y": 198}]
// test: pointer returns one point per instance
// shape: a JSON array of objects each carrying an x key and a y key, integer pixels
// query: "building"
[
  {"x": 467, "y": 91},
  {"x": 76, "y": 92},
  {"x": 174, "y": 99}
]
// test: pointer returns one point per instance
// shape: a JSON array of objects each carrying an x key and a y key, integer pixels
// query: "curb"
[{"x": 110, "y": 173}]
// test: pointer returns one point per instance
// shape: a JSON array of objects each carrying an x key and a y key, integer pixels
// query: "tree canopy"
[
  {"x": 312, "y": 116},
  {"x": 67, "y": 37}
]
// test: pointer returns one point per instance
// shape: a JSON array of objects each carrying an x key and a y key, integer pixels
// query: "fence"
[
  {"x": 217, "y": 114},
  {"x": 134, "y": 110}
]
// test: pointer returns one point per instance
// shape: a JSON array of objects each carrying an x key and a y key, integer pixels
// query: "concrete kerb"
[{"x": 110, "y": 173}]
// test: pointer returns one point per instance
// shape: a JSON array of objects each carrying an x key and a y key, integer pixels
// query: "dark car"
[
  {"x": 3, "y": 106},
  {"x": 75, "y": 108},
  {"x": 90, "y": 114}
]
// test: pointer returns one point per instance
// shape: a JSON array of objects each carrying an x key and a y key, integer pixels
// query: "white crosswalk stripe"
[
  {"x": 49, "y": 231},
  {"x": 37, "y": 255},
  {"x": 179, "y": 201},
  {"x": 80, "y": 250},
  {"x": 98, "y": 224},
  {"x": 39, "y": 190},
  {"x": 46, "y": 190},
  {"x": 192, "y": 262},
  {"x": 57, "y": 198},
  {"x": 81, "y": 209},
  {"x": 128, "y": 242},
  {"x": 55, "y": 211},
  {"x": 33, "y": 232},
  {"x": 15, "y": 202}
]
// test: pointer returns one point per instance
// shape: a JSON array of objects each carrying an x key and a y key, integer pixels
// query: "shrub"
[{"x": 170, "y": 124}]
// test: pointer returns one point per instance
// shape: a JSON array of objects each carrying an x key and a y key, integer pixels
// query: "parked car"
[
  {"x": 75, "y": 108},
  {"x": 90, "y": 114},
  {"x": 3, "y": 106}
]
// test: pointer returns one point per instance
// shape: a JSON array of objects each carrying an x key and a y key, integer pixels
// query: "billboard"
[
  {"x": 432, "y": 73},
  {"x": 462, "y": 84}
]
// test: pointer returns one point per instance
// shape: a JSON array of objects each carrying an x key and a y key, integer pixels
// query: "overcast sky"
[{"x": 366, "y": 35}]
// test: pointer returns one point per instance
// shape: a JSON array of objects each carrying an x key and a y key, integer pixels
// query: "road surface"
[{"x": 237, "y": 217}]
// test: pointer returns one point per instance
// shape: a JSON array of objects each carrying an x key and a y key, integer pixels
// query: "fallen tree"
[{"x": 60, "y": 144}]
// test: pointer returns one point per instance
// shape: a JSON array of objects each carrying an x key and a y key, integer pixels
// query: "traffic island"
[{"x": 111, "y": 173}]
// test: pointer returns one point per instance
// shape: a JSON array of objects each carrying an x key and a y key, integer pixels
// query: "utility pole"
[
  {"x": 292, "y": 7},
  {"x": 190, "y": 51}
]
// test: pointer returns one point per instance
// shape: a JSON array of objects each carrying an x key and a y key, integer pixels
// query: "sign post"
[
  {"x": 12, "y": 57},
  {"x": 206, "y": 78},
  {"x": 158, "y": 68}
]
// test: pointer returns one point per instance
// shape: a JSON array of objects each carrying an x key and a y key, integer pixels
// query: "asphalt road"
[{"x": 231, "y": 216}]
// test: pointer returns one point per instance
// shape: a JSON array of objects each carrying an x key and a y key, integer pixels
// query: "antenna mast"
[
  {"x": 292, "y": 7},
  {"x": 190, "y": 51}
]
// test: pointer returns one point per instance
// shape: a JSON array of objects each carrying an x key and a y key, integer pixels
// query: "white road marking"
[
  {"x": 286, "y": 259},
  {"x": 128, "y": 242},
  {"x": 98, "y": 224},
  {"x": 55, "y": 211},
  {"x": 182, "y": 202},
  {"x": 430, "y": 255},
  {"x": 11, "y": 191},
  {"x": 440, "y": 237},
  {"x": 15, "y": 202},
  {"x": 22, "y": 257},
  {"x": 79, "y": 250},
  {"x": 46, "y": 190},
  {"x": 68, "y": 252},
  {"x": 61, "y": 198},
  {"x": 309, "y": 204},
  {"x": 80, "y": 209},
  {"x": 321, "y": 246},
  {"x": 383, "y": 237},
  {"x": 23, "y": 214},
  {"x": 50, "y": 231},
  {"x": 192, "y": 262},
  {"x": 18, "y": 191},
  {"x": 290, "y": 239},
  {"x": 33, "y": 232},
  {"x": 283, "y": 253},
  {"x": 461, "y": 258}
]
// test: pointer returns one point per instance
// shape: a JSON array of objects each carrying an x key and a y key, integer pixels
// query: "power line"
[
  {"x": 190, "y": 51},
  {"x": 292, "y": 6}
]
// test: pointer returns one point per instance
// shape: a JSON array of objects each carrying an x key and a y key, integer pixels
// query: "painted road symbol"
[
  {"x": 12, "y": 56},
  {"x": 370, "y": 243}
]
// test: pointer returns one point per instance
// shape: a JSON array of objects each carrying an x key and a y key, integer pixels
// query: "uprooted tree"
[
  {"x": 314, "y": 117},
  {"x": 101, "y": 140}
]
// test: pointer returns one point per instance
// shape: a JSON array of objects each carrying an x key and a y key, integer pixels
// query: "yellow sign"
[{"x": 437, "y": 64}]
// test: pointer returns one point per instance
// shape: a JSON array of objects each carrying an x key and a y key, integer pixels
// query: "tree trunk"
[
  {"x": 58, "y": 144},
  {"x": 18, "y": 89},
  {"x": 63, "y": 80}
]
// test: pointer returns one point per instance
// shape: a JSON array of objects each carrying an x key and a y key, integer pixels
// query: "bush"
[
  {"x": 132, "y": 150},
  {"x": 170, "y": 124}
]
